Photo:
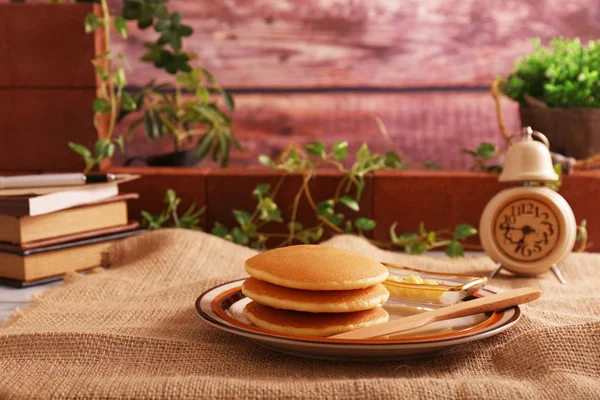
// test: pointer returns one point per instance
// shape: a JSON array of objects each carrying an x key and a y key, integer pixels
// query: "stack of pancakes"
[{"x": 311, "y": 290}]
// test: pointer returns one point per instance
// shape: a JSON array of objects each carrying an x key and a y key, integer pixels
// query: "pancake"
[
  {"x": 330, "y": 301},
  {"x": 316, "y": 267},
  {"x": 311, "y": 324}
]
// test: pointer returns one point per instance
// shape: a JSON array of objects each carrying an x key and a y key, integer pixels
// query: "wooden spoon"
[{"x": 494, "y": 302}]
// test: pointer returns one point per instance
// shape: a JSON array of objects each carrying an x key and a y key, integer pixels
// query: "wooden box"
[
  {"x": 440, "y": 199},
  {"x": 47, "y": 85}
]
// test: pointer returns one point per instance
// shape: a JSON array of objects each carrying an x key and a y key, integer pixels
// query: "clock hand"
[{"x": 527, "y": 230}]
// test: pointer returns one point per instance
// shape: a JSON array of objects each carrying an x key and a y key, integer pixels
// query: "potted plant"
[
  {"x": 182, "y": 109},
  {"x": 558, "y": 90}
]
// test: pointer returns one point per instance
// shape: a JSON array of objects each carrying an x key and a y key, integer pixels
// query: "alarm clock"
[{"x": 528, "y": 229}]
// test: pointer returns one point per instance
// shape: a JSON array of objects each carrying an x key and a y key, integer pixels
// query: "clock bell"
[{"x": 530, "y": 228}]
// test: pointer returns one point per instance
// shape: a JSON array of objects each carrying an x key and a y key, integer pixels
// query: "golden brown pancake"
[
  {"x": 311, "y": 324},
  {"x": 315, "y": 301},
  {"x": 316, "y": 267}
]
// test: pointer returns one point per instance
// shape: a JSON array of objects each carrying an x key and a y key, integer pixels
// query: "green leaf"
[
  {"x": 121, "y": 26},
  {"x": 103, "y": 148},
  {"x": 363, "y": 153},
  {"x": 92, "y": 22},
  {"x": 261, "y": 190},
  {"x": 316, "y": 148},
  {"x": 325, "y": 207},
  {"x": 392, "y": 160},
  {"x": 185, "y": 30},
  {"x": 119, "y": 77},
  {"x": 239, "y": 236},
  {"x": 408, "y": 236},
  {"x": 269, "y": 211},
  {"x": 422, "y": 230},
  {"x": 121, "y": 143},
  {"x": 470, "y": 152},
  {"x": 127, "y": 102},
  {"x": 242, "y": 217},
  {"x": 266, "y": 161},
  {"x": 80, "y": 149},
  {"x": 348, "y": 227},
  {"x": 101, "y": 106},
  {"x": 126, "y": 64},
  {"x": 393, "y": 233},
  {"x": 555, "y": 185},
  {"x": 350, "y": 203},
  {"x": 493, "y": 168},
  {"x": 175, "y": 41},
  {"x": 463, "y": 231},
  {"x": 432, "y": 165},
  {"x": 416, "y": 248},
  {"x": 153, "y": 54},
  {"x": 340, "y": 150},
  {"x": 486, "y": 150},
  {"x": 145, "y": 20},
  {"x": 455, "y": 249},
  {"x": 431, "y": 237},
  {"x": 162, "y": 25},
  {"x": 365, "y": 224},
  {"x": 335, "y": 219},
  {"x": 219, "y": 230},
  {"x": 297, "y": 226},
  {"x": 100, "y": 71},
  {"x": 360, "y": 187},
  {"x": 582, "y": 231},
  {"x": 175, "y": 18},
  {"x": 204, "y": 145},
  {"x": 228, "y": 100}
]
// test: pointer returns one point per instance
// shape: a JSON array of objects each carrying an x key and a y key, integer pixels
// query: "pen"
[{"x": 46, "y": 180}]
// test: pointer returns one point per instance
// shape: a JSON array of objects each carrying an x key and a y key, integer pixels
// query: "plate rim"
[{"x": 341, "y": 343}]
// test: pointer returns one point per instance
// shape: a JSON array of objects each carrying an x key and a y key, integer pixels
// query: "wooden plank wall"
[{"x": 321, "y": 69}]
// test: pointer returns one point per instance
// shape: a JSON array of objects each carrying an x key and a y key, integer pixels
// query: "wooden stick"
[{"x": 494, "y": 302}]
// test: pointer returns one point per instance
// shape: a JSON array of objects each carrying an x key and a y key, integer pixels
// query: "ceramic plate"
[{"x": 222, "y": 307}]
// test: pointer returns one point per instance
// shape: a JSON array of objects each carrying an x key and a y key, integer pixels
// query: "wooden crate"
[
  {"x": 440, "y": 199},
  {"x": 47, "y": 85}
]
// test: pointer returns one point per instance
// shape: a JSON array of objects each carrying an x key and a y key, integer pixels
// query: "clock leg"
[
  {"x": 494, "y": 272},
  {"x": 558, "y": 274}
]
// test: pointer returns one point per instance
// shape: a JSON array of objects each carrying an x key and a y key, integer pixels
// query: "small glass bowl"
[{"x": 450, "y": 288}]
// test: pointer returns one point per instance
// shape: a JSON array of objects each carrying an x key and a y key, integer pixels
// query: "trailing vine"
[
  {"x": 162, "y": 109},
  {"x": 329, "y": 212}
]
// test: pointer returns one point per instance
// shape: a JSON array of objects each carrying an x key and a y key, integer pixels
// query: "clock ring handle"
[{"x": 529, "y": 134}]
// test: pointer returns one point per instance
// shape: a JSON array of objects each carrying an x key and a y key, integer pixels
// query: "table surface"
[{"x": 15, "y": 298}]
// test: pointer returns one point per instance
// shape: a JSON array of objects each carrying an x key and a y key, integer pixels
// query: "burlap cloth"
[{"x": 132, "y": 332}]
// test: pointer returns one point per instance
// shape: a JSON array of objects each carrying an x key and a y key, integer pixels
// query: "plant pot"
[
  {"x": 184, "y": 158},
  {"x": 48, "y": 85},
  {"x": 571, "y": 132}
]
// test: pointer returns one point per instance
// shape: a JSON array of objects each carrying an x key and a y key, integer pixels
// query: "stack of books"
[{"x": 46, "y": 232}]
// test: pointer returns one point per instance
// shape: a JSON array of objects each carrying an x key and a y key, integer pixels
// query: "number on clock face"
[{"x": 526, "y": 229}]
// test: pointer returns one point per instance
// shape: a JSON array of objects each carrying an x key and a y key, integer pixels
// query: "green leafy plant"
[
  {"x": 424, "y": 240},
  {"x": 330, "y": 213},
  {"x": 170, "y": 218},
  {"x": 482, "y": 155},
  {"x": 565, "y": 73},
  {"x": 162, "y": 109},
  {"x": 432, "y": 165}
]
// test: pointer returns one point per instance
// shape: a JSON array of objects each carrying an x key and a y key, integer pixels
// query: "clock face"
[{"x": 526, "y": 229}]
